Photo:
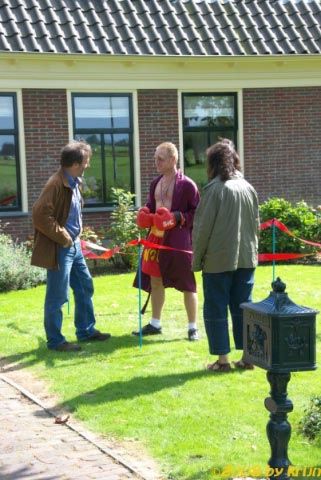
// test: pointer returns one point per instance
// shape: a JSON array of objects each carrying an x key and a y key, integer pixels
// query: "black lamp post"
[{"x": 279, "y": 336}]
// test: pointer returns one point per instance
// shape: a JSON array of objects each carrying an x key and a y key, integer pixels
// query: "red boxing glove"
[
  {"x": 144, "y": 218},
  {"x": 165, "y": 220}
]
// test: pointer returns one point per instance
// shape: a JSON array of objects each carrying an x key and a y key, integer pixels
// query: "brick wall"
[
  {"x": 18, "y": 227},
  {"x": 46, "y": 131},
  {"x": 96, "y": 220},
  {"x": 282, "y": 142},
  {"x": 158, "y": 122}
]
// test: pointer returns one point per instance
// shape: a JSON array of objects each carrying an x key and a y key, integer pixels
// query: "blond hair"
[{"x": 170, "y": 149}]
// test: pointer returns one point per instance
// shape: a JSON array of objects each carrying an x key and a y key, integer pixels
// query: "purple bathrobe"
[{"x": 175, "y": 266}]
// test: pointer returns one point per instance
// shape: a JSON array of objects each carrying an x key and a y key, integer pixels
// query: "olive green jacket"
[{"x": 226, "y": 226}]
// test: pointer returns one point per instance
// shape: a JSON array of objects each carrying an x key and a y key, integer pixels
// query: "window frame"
[
  {"x": 107, "y": 131},
  {"x": 15, "y": 133},
  {"x": 210, "y": 129}
]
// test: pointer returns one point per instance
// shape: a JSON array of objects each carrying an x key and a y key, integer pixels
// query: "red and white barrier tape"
[{"x": 88, "y": 247}]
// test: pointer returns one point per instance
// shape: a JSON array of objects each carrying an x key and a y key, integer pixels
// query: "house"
[{"x": 128, "y": 74}]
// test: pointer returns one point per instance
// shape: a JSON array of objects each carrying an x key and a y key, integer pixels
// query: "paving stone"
[{"x": 33, "y": 447}]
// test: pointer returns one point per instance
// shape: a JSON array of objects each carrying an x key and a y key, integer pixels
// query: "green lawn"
[
  {"x": 198, "y": 173},
  {"x": 117, "y": 170},
  {"x": 8, "y": 180},
  {"x": 193, "y": 422}
]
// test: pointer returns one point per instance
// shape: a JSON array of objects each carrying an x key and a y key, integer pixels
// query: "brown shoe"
[
  {"x": 67, "y": 347},
  {"x": 97, "y": 337}
]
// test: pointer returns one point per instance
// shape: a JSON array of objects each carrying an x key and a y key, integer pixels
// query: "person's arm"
[
  {"x": 166, "y": 220},
  {"x": 43, "y": 216},
  {"x": 204, "y": 221},
  {"x": 185, "y": 216},
  {"x": 193, "y": 201},
  {"x": 145, "y": 217},
  {"x": 151, "y": 203}
]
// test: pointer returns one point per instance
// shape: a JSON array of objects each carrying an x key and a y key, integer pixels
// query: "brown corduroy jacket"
[{"x": 49, "y": 215}]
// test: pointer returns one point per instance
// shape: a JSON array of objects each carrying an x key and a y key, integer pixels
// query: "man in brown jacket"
[{"x": 58, "y": 223}]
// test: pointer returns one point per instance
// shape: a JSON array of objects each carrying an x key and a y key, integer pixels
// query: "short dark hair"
[
  {"x": 222, "y": 160},
  {"x": 74, "y": 152}
]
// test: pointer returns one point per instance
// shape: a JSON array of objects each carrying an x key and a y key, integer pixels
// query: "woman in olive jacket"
[{"x": 225, "y": 244}]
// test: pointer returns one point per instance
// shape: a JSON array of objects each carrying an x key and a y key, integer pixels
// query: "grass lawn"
[
  {"x": 193, "y": 422},
  {"x": 8, "y": 181}
]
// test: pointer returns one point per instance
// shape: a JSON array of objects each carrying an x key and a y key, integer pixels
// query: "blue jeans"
[
  {"x": 72, "y": 271},
  {"x": 222, "y": 291}
]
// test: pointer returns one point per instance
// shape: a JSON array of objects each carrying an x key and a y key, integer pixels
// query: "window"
[
  {"x": 105, "y": 122},
  {"x": 206, "y": 118},
  {"x": 10, "y": 198}
]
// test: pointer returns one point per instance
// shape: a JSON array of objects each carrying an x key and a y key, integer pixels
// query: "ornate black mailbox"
[
  {"x": 278, "y": 334},
  {"x": 280, "y": 337}
]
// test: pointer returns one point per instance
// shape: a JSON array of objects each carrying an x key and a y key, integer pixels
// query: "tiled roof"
[{"x": 161, "y": 27}]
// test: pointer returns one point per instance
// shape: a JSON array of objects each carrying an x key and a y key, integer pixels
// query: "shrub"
[
  {"x": 89, "y": 234},
  {"x": 16, "y": 273},
  {"x": 302, "y": 220},
  {"x": 123, "y": 228},
  {"x": 96, "y": 266},
  {"x": 310, "y": 424}
]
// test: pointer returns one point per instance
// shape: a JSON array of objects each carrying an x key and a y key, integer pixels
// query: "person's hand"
[
  {"x": 144, "y": 218},
  {"x": 166, "y": 220},
  {"x": 68, "y": 243}
]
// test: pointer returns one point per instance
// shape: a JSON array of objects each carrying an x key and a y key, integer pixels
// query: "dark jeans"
[
  {"x": 222, "y": 291},
  {"x": 72, "y": 271}
]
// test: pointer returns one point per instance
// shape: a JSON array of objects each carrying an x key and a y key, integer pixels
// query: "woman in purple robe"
[{"x": 169, "y": 212}]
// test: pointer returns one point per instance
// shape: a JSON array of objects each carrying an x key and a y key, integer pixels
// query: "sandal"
[
  {"x": 219, "y": 367},
  {"x": 241, "y": 365}
]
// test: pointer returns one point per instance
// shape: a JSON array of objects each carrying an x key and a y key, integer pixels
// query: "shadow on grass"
[
  {"x": 122, "y": 341},
  {"x": 202, "y": 475},
  {"x": 21, "y": 360},
  {"x": 26, "y": 359},
  {"x": 135, "y": 387}
]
